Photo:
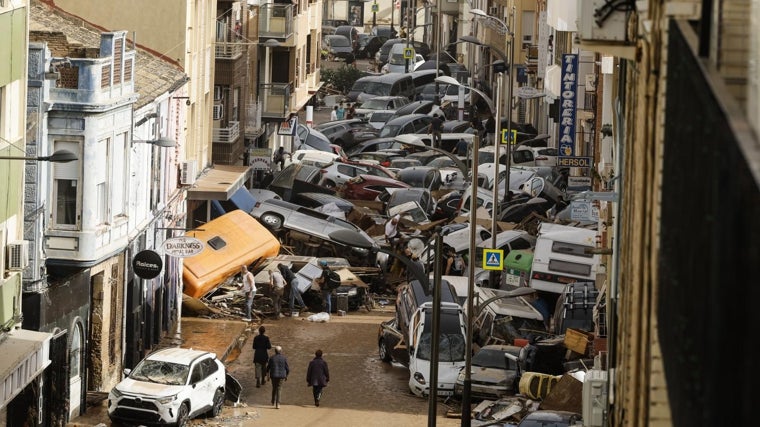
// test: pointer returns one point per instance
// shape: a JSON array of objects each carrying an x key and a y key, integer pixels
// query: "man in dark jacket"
[
  {"x": 292, "y": 281},
  {"x": 261, "y": 346},
  {"x": 317, "y": 376},
  {"x": 278, "y": 372}
]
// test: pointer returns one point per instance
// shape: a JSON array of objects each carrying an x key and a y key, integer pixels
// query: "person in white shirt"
[
  {"x": 391, "y": 231},
  {"x": 249, "y": 289},
  {"x": 334, "y": 114},
  {"x": 277, "y": 282}
]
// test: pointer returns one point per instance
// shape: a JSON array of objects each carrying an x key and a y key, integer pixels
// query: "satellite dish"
[{"x": 416, "y": 246}]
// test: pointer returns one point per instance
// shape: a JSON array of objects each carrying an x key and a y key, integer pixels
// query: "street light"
[
  {"x": 162, "y": 142},
  {"x": 60, "y": 156}
]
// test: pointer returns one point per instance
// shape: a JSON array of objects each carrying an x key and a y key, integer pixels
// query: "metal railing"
[
  {"x": 275, "y": 21},
  {"x": 253, "y": 123},
  {"x": 226, "y": 135},
  {"x": 229, "y": 50},
  {"x": 275, "y": 99}
]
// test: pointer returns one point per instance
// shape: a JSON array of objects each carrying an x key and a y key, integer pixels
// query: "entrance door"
[{"x": 75, "y": 371}]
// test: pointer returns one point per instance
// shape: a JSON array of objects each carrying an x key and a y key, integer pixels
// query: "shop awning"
[
  {"x": 25, "y": 355},
  {"x": 219, "y": 182}
]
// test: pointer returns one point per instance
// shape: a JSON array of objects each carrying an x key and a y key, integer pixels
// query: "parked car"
[
  {"x": 398, "y": 196},
  {"x": 383, "y": 158},
  {"x": 170, "y": 386},
  {"x": 421, "y": 176},
  {"x": 404, "y": 162},
  {"x": 383, "y": 30},
  {"x": 418, "y": 107},
  {"x": 337, "y": 173},
  {"x": 395, "y": 84},
  {"x": 380, "y": 103},
  {"x": 358, "y": 87},
  {"x": 313, "y": 139},
  {"x": 296, "y": 178},
  {"x": 535, "y": 156},
  {"x": 493, "y": 375},
  {"x": 447, "y": 205},
  {"x": 312, "y": 157},
  {"x": 280, "y": 216},
  {"x": 368, "y": 187},
  {"x": 376, "y": 144},
  {"x": 369, "y": 45},
  {"x": 412, "y": 123},
  {"x": 398, "y": 64},
  {"x": 336, "y": 47},
  {"x": 317, "y": 200},
  {"x": 347, "y": 133},
  {"x": 545, "y": 417},
  {"x": 378, "y": 119}
]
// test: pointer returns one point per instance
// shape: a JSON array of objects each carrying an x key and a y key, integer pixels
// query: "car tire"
[
  {"x": 183, "y": 415},
  {"x": 272, "y": 221},
  {"x": 329, "y": 184},
  {"x": 385, "y": 354},
  {"x": 218, "y": 403}
]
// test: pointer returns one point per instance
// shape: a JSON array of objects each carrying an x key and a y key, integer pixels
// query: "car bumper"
[
  {"x": 133, "y": 410},
  {"x": 482, "y": 391}
]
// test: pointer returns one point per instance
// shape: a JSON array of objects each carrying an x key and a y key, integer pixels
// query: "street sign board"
[
  {"x": 528, "y": 92},
  {"x": 505, "y": 140},
  {"x": 375, "y": 7},
  {"x": 574, "y": 162},
  {"x": 581, "y": 210},
  {"x": 493, "y": 259},
  {"x": 183, "y": 246}
]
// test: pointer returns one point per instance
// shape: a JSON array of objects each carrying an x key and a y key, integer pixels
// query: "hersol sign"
[{"x": 182, "y": 246}]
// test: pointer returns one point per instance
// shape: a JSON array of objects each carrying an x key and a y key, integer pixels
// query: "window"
[
  {"x": 236, "y": 104},
  {"x": 101, "y": 212},
  {"x": 570, "y": 267},
  {"x": 118, "y": 180},
  {"x": 75, "y": 352},
  {"x": 571, "y": 249},
  {"x": 65, "y": 188}
]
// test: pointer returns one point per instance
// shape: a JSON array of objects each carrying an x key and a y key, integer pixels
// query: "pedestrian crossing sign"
[{"x": 493, "y": 259}]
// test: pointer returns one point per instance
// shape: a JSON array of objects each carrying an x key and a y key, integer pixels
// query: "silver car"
[{"x": 278, "y": 215}]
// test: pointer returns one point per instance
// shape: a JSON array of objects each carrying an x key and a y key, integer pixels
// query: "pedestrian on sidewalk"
[
  {"x": 249, "y": 290},
  {"x": 277, "y": 285},
  {"x": 327, "y": 282},
  {"x": 278, "y": 372},
  {"x": 292, "y": 282},
  {"x": 317, "y": 376},
  {"x": 261, "y": 346}
]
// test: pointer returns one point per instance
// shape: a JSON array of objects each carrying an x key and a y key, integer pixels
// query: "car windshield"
[
  {"x": 389, "y": 130},
  {"x": 375, "y": 104},
  {"x": 381, "y": 116},
  {"x": 492, "y": 358},
  {"x": 161, "y": 372},
  {"x": 441, "y": 162},
  {"x": 378, "y": 88},
  {"x": 359, "y": 85},
  {"x": 451, "y": 344},
  {"x": 397, "y": 59}
]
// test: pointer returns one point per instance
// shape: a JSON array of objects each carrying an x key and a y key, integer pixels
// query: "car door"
[{"x": 201, "y": 381}]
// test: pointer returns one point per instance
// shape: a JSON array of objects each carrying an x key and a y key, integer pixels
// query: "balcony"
[
  {"x": 226, "y": 135},
  {"x": 275, "y": 99},
  {"x": 229, "y": 49},
  {"x": 276, "y": 21}
]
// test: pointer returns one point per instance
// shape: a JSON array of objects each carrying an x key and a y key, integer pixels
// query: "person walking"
[
  {"x": 455, "y": 265},
  {"x": 292, "y": 282},
  {"x": 279, "y": 158},
  {"x": 249, "y": 290},
  {"x": 278, "y": 372},
  {"x": 317, "y": 376},
  {"x": 435, "y": 129},
  {"x": 277, "y": 284},
  {"x": 341, "y": 112},
  {"x": 334, "y": 114},
  {"x": 261, "y": 346}
]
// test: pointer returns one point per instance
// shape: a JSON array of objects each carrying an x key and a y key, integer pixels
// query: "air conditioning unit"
[
  {"x": 187, "y": 172},
  {"x": 18, "y": 255},
  {"x": 218, "y": 111}
]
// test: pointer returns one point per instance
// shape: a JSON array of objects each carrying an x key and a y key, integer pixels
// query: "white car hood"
[{"x": 144, "y": 388}]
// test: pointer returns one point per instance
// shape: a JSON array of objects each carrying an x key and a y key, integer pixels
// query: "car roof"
[
  {"x": 184, "y": 356},
  {"x": 405, "y": 118}
]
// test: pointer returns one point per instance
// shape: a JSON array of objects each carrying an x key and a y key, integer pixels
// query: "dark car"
[
  {"x": 421, "y": 176},
  {"x": 447, "y": 205},
  {"x": 384, "y": 158},
  {"x": 369, "y": 45},
  {"x": 336, "y": 47},
  {"x": 375, "y": 144},
  {"x": 358, "y": 87},
  {"x": 415, "y": 107},
  {"x": 334, "y": 22},
  {"x": 297, "y": 178},
  {"x": 399, "y": 196},
  {"x": 383, "y": 30},
  {"x": 381, "y": 57},
  {"x": 457, "y": 126},
  {"x": 424, "y": 157},
  {"x": 411, "y": 123},
  {"x": 347, "y": 133}
]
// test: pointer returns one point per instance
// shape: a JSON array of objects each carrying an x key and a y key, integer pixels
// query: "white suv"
[{"x": 169, "y": 386}]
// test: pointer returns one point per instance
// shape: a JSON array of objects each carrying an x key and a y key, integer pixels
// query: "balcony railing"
[
  {"x": 229, "y": 50},
  {"x": 275, "y": 99},
  {"x": 276, "y": 21},
  {"x": 226, "y": 135}
]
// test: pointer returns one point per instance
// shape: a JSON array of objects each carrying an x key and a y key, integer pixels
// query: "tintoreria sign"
[
  {"x": 183, "y": 246},
  {"x": 568, "y": 104}
]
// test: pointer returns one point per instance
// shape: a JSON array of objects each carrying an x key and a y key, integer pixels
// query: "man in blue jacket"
[{"x": 278, "y": 372}]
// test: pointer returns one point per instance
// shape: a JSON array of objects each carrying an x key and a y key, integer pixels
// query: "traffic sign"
[
  {"x": 505, "y": 140},
  {"x": 408, "y": 52},
  {"x": 493, "y": 259},
  {"x": 375, "y": 7}
]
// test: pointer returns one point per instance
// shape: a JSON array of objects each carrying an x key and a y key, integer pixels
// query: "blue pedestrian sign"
[{"x": 493, "y": 259}]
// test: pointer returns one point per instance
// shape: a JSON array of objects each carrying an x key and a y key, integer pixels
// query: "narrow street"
[{"x": 362, "y": 390}]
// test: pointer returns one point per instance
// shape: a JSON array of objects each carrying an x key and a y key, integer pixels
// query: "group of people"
[
  {"x": 278, "y": 370},
  {"x": 339, "y": 112},
  {"x": 281, "y": 280}
]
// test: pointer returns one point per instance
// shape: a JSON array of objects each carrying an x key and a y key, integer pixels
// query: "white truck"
[{"x": 408, "y": 337}]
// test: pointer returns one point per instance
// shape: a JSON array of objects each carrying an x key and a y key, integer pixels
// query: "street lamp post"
[{"x": 60, "y": 156}]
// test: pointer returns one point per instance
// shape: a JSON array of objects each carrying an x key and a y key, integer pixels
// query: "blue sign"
[
  {"x": 493, "y": 259},
  {"x": 568, "y": 104}
]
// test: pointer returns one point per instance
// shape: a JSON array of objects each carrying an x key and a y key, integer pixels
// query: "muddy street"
[{"x": 362, "y": 390}]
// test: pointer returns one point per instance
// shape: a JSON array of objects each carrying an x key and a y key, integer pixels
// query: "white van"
[
  {"x": 561, "y": 256},
  {"x": 315, "y": 158}
]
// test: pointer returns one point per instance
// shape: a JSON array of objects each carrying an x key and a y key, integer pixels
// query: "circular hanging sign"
[
  {"x": 183, "y": 246},
  {"x": 147, "y": 264}
]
